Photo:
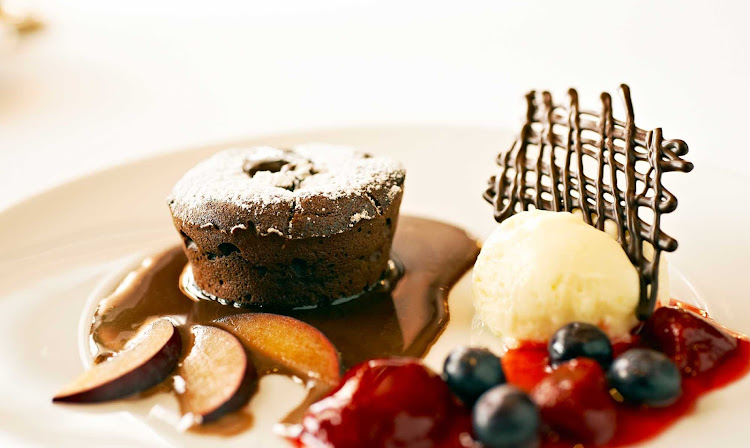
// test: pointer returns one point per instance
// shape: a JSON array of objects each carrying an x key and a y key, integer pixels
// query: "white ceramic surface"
[{"x": 63, "y": 246}]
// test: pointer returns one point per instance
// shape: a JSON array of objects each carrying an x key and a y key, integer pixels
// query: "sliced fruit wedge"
[
  {"x": 146, "y": 361},
  {"x": 295, "y": 345},
  {"x": 219, "y": 377}
]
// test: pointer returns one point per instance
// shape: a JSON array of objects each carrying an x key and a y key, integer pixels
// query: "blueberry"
[
  {"x": 579, "y": 339},
  {"x": 505, "y": 417},
  {"x": 470, "y": 372},
  {"x": 645, "y": 376}
]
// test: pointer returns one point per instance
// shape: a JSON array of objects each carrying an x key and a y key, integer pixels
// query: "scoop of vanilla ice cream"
[{"x": 540, "y": 270}]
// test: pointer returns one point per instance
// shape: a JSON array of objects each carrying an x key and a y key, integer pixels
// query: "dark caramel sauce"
[{"x": 402, "y": 321}]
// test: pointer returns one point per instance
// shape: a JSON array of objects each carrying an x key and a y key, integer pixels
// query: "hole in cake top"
[
  {"x": 286, "y": 170},
  {"x": 251, "y": 167}
]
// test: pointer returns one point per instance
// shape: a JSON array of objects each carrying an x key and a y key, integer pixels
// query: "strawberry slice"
[
  {"x": 575, "y": 403},
  {"x": 692, "y": 342}
]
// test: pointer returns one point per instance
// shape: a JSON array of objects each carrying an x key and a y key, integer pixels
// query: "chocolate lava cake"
[{"x": 287, "y": 228}]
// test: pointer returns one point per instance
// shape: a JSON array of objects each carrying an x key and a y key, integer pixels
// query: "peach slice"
[
  {"x": 219, "y": 376},
  {"x": 297, "y": 346},
  {"x": 145, "y": 361}
]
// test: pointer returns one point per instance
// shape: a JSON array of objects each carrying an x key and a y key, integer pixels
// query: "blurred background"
[{"x": 103, "y": 82}]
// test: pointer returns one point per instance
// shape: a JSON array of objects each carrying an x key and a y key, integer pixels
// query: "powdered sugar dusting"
[
  {"x": 394, "y": 191},
  {"x": 268, "y": 185},
  {"x": 357, "y": 217}
]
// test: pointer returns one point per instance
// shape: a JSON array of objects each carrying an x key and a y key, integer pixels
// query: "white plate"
[{"x": 57, "y": 248}]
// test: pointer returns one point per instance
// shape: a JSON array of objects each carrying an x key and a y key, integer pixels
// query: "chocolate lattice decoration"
[{"x": 566, "y": 159}]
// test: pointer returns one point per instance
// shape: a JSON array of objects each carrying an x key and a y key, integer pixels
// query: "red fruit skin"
[
  {"x": 693, "y": 343},
  {"x": 574, "y": 401},
  {"x": 387, "y": 403}
]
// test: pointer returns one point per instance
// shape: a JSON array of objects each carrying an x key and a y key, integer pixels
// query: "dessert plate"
[{"x": 64, "y": 249}]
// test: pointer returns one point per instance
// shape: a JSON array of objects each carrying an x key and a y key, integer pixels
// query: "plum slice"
[
  {"x": 293, "y": 344},
  {"x": 145, "y": 361},
  {"x": 219, "y": 376}
]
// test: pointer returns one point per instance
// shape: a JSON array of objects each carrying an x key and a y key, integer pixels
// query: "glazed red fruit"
[
  {"x": 387, "y": 403},
  {"x": 694, "y": 344},
  {"x": 574, "y": 402}
]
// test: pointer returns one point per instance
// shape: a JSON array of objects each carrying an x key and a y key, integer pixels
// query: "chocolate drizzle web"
[{"x": 566, "y": 159}]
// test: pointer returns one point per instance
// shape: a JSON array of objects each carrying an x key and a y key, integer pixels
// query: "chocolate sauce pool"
[{"x": 401, "y": 321}]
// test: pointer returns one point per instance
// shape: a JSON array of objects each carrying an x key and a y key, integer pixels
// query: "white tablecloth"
[{"x": 109, "y": 81}]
